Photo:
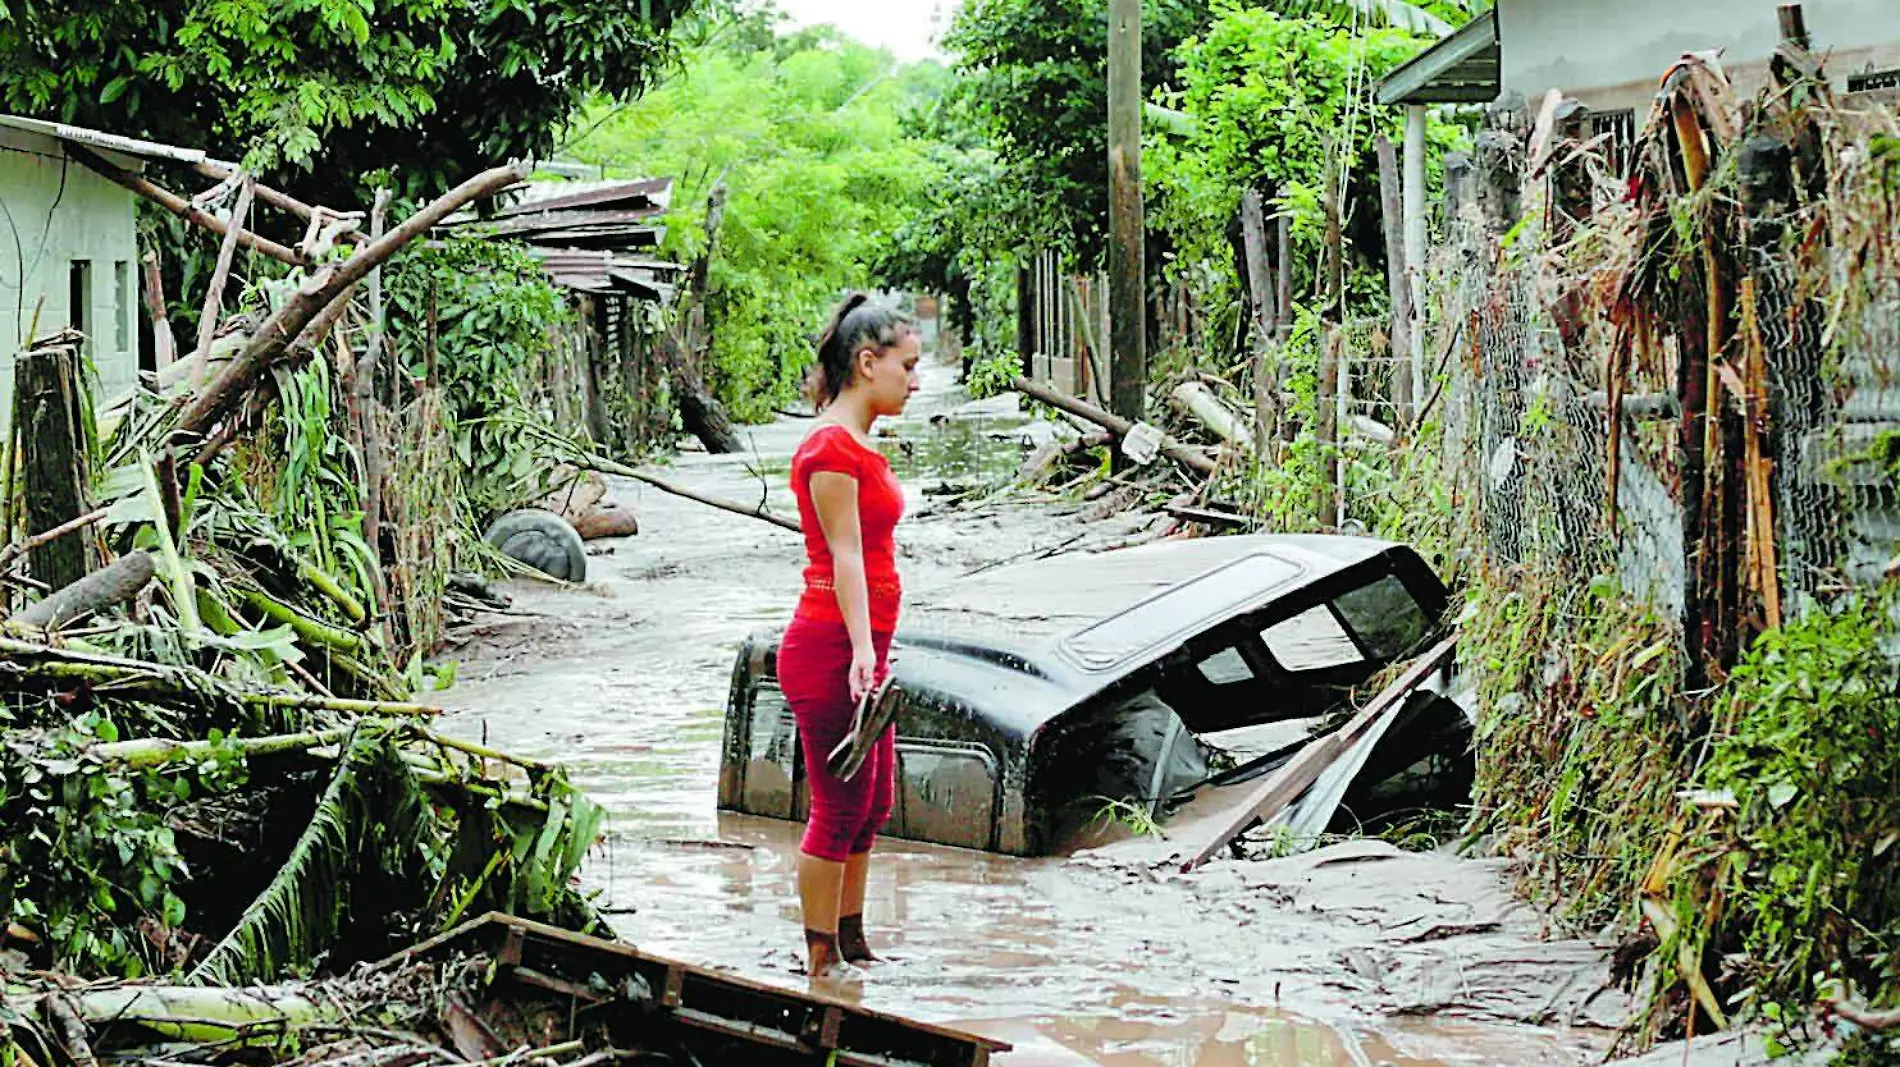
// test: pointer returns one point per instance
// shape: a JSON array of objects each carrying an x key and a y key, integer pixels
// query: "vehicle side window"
[
  {"x": 1226, "y": 667},
  {"x": 1310, "y": 641},
  {"x": 1386, "y": 617}
]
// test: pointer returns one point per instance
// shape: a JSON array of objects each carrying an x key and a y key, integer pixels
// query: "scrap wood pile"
[
  {"x": 219, "y": 593},
  {"x": 493, "y": 990}
]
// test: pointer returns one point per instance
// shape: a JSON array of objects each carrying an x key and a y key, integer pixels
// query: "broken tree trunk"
[
  {"x": 1391, "y": 204},
  {"x": 369, "y": 426},
  {"x": 1286, "y": 784},
  {"x": 318, "y": 292},
  {"x": 214, "y": 293},
  {"x": 109, "y": 586},
  {"x": 46, "y": 412},
  {"x": 1266, "y": 313},
  {"x": 1114, "y": 424},
  {"x": 1331, "y": 354},
  {"x": 180, "y": 206},
  {"x": 1207, "y": 409},
  {"x": 700, "y": 411},
  {"x": 164, "y": 348}
]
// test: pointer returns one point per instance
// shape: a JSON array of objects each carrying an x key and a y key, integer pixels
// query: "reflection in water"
[{"x": 1166, "y": 1035}]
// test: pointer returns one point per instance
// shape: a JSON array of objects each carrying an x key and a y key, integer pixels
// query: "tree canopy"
[{"x": 318, "y": 93}]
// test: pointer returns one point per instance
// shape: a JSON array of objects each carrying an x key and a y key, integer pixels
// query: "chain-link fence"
[{"x": 1686, "y": 381}]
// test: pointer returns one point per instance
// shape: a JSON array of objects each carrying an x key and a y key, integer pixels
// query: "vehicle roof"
[
  {"x": 1041, "y": 601},
  {"x": 1033, "y": 639}
]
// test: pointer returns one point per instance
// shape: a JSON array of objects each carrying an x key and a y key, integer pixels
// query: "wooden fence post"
[
  {"x": 1398, "y": 283},
  {"x": 1266, "y": 314}
]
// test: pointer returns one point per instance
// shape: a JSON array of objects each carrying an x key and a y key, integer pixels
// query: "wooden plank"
[{"x": 1286, "y": 784}]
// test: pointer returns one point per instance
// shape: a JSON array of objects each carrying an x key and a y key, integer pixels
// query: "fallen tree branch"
[
  {"x": 20, "y": 548},
  {"x": 1865, "y": 1018},
  {"x": 282, "y": 201},
  {"x": 158, "y": 751},
  {"x": 178, "y": 205},
  {"x": 585, "y": 460},
  {"x": 220, "y": 275},
  {"x": 113, "y": 584},
  {"x": 317, "y": 294},
  {"x": 1114, "y": 424}
]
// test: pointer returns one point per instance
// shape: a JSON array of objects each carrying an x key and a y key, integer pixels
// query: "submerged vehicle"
[{"x": 1034, "y": 696}]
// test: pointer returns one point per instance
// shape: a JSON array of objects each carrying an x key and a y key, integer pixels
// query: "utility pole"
[{"x": 1127, "y": 296}]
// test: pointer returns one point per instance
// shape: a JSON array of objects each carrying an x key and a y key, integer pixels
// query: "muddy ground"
[{"x": 1357, "y": 955}]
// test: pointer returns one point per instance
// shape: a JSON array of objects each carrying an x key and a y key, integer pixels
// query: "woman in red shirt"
[{"x": 836, "y": 649}]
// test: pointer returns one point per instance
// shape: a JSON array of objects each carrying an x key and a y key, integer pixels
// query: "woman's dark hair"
[{"x": 857, "y": 322}]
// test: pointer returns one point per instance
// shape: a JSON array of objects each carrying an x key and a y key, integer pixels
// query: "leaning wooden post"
[
  {"x": 214, "y": 295},
  {"x": 1397, "y": 284},
  {"x": 46, "y": 411},
  {"x": 164, "y": 349},
  {"x": 1128, "y": 375},
  {"x": 1260, "y": 290}
]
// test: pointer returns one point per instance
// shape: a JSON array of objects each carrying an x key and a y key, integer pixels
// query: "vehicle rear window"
[
  {"x": 1226, "y": 667},
  {"x": 1310, "y": 641},
  {"x": 1386, "y": 617}
]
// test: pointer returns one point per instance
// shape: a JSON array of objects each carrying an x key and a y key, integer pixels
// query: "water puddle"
[{"x": 1080, "y": 961}]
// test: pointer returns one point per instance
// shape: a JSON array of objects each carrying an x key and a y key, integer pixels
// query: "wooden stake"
[
  {"x": 214, "y": 294},
  {"x": 164, "y": 348},
  {"x": 1266, "y": 314}
]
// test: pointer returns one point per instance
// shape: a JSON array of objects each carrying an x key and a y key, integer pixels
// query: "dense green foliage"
[
  {"x": 478, "y": 314},
  {"x": 807, "y": 136},
  {"x": 429, "y": 90}
]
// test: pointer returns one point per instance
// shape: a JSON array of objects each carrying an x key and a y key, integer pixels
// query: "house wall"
[
  {"x": 54, "y": 213},
  {"x": 1612, "y": 54}
]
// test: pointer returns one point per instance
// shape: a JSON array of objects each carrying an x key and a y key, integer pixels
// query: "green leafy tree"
[
  {"x": 809, "y": 140},
  {"x": 317, "y": 93}
]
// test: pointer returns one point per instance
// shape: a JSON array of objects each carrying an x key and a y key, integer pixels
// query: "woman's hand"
[{"x": 863, "y": 676}]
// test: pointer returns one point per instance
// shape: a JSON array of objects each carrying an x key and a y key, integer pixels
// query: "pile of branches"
[{"x": 209, "y": 759}]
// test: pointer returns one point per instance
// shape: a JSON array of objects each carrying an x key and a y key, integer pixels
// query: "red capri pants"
[{"x": 814, "y": 665}]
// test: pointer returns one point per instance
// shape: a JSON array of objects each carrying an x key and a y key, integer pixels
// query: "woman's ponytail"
[{"x": 856, "y": 323}]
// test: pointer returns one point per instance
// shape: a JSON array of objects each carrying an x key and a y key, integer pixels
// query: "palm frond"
[
  {"x": 372, "y": 812},
  {"x": 1395, "y": 13}
]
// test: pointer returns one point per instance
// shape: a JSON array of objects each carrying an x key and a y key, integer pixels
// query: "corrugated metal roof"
[
  {"x": 112, "y": 142},
  {"x": 656, "y": 193}
]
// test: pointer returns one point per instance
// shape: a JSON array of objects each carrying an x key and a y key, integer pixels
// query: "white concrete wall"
[
  {"x": 1613, "y": 53},
  {"x": 54, "y": 212}
]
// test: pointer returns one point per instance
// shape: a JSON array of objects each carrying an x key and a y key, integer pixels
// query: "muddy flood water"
[{"x": 1357, "y": 955}]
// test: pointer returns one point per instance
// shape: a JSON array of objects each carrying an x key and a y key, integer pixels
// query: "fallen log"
[
  {"x": 113, "y": 584},
  {"x": 1292, "y": 778},
  {"x": 1197, "y": 400},
  {"x": 318, "y": 292},
  {"x": 19, "y": 548},
  {"x": 607, "y": 522},
  {"x": 1044, "y": 459},
  {"x": 158, "y": 751},
  {"x": 179, "y": 206},
  {"x": 1114, "y": 424}
]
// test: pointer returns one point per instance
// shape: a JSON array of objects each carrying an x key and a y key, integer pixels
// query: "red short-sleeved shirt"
[{"x": 832, "y": 447}]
